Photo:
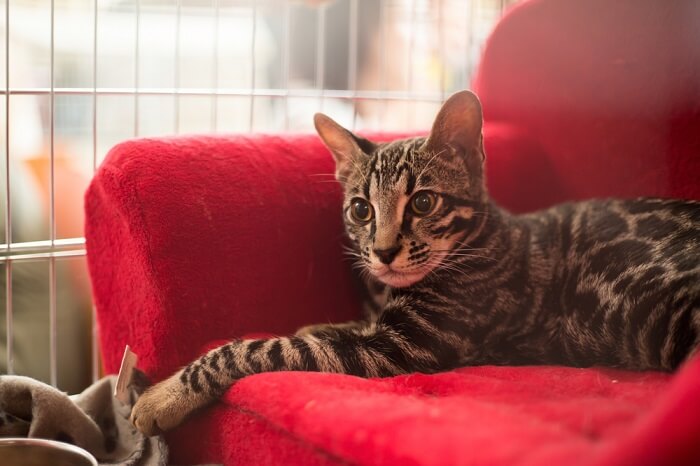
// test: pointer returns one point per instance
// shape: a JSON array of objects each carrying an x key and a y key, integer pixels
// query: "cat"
[{"x": 460, "y": 281}]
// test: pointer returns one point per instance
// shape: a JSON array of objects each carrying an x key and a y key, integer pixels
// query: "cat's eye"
[
  {"x": 360, "y": 210},
  {"x": 423, "y": 203}
]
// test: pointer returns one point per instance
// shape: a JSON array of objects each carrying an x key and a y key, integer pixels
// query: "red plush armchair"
[{"x": 192, "y": 240}]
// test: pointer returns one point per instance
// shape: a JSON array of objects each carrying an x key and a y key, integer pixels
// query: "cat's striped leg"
[{"x": 405, "y": 339}]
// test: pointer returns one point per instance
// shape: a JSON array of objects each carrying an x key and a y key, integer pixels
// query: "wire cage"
[{"x": 82, "y": 75}]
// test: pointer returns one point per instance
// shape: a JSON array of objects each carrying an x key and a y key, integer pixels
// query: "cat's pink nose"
[{"x": 386, "y": 256}]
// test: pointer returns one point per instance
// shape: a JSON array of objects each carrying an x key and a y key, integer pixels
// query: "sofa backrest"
[{"x": 610, "y": 89}]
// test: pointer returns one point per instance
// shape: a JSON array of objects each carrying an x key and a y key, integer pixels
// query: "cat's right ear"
[
  {"x": 458, "y": 126},
  {"x": 344, "y": 145}
]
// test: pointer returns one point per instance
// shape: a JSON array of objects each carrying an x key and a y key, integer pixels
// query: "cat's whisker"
[
  {"x": 350, "y": 252},
  {"x": 360, "y": 267},
  {"x": 465, "y": 253},
  {"x": 451, "y": 268},
  {"x": 364, "y": 273},
  {"x": 358, "y": 168},
  {"x": 462, "y": 249},
  {"x": 336, "y": 178},
  {"x": 425, "y": 167},
  {"x": 473, "y": 256},
  {"x": 452, "y": 262},
  {"x": 461, "y": 246},
  {"x": 456, "y": 267},
  {"x": 435, "y": 263}
]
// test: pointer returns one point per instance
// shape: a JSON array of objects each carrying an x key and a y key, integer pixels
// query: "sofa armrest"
[{"x": 194, "y": 239}]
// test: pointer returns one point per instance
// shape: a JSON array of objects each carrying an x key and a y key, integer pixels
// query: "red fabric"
[
  {"x": 243, "y": 230},
  {"x": 611, "y": 87},
  {"x": 189, "y": 240},
  {"x": 196, "y": 239},
  {"x": 477, "y": 416}
]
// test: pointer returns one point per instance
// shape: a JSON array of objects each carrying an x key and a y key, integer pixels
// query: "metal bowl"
[{"x": 39, "y": 452}]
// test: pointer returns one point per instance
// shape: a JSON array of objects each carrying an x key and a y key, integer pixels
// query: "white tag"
[{"x": 126, "y": 371}]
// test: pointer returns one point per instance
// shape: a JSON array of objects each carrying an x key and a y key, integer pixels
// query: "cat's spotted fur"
[{"x": 608, "y": 282}]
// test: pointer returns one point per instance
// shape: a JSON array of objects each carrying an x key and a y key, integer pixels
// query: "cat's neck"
[
  {"x": 491, "y": 227},
  {"x": 489, "y": 243}
]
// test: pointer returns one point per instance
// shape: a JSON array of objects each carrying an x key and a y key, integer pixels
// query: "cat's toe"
[
  {"x": 146, "y": 424},
  {"x": 144, "y": 415},
  {"x": 161, "y": 408}
]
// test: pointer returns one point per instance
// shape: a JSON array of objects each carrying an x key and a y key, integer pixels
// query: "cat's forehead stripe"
[{"x": 392, "y": 163}]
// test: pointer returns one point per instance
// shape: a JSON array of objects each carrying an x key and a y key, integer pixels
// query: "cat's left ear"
[
  {"x": 458, "y": 126},
  {"x": 345, "y": 146}
]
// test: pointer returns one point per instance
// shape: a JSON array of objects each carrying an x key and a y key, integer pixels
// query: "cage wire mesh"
[{"x": 78, "y": 76}]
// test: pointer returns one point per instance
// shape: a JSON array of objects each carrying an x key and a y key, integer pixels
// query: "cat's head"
[{"x": 409, "y": 203}]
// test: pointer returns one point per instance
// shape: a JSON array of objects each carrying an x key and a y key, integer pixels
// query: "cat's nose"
[{"x": 386, "y": 256}]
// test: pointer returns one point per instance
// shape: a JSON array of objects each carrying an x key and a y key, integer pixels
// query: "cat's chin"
[{"x": 399, "y": 279}]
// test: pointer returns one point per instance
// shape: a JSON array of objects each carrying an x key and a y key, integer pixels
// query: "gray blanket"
[{"x": 93, "y": 420}]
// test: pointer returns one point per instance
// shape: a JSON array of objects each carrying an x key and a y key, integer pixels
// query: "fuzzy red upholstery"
[
  {"x": 611, "y": 87},
  {"x": 197, "y": 239}
]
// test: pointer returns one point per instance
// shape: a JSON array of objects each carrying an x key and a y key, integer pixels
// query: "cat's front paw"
[{"x": 163, "y": 406}]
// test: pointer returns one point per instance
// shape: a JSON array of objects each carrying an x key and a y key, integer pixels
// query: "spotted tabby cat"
[{"x": 607, "y": 282}]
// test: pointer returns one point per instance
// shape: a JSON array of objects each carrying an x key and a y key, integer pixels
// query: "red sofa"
[{"x": 192, "y": 240}]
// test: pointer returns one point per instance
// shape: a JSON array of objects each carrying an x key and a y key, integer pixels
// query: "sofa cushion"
[{"x": 477, "y": 416}]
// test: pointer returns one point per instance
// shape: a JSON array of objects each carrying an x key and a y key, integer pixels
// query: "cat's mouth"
[{"x": 397, "y": 278}]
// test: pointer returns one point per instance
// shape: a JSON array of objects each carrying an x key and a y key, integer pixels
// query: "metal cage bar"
[
  {"x": 441, "y": 46},
  {"x": 136, "y": 65},
  {"x": 287, "y": 32},
  {"x": 352, "y": 59},
  {"x": 9, "y": 317},
  {"x": 411, "y": 45},
  {"x": 176, "y": 93},
  {"x": 253, "y": 65},
  {"x": 320, "y": 52},
  {"x": 9, "y": 321},
  {"x": 94, "y": 343},
  {"x": 53, "y": 330},
  {"x": 234, "y": 92},
  {"x": 411, "y": 14},
  {"x": 94, "y": 84},
  {"x": 215, "y": 69},
  {"x": 382, "y": 57}
]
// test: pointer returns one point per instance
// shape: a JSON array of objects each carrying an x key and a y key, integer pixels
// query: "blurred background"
[{"x": 78, "y": 76}]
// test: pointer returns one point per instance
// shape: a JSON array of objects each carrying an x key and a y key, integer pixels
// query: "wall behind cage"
[{"x": 78, "y": 76}]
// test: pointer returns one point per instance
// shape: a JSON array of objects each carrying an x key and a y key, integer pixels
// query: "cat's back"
[
  {"x": 627, "y": 278},
  {"x": 642, "y": 231},
  {"x": 644, "y": 227}
]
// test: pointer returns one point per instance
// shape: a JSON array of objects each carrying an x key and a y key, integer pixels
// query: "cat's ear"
[
  {"x": 345, "y": 146},
  {"x": 458, "y": 125}
]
